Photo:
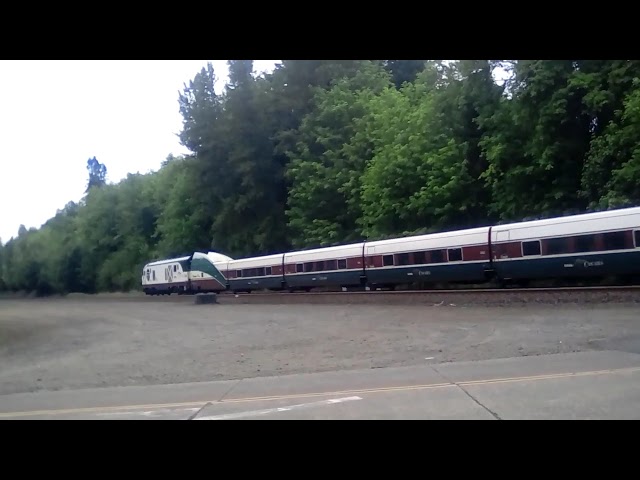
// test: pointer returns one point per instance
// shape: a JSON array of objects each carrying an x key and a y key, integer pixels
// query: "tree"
[
  {"x": 415, "y": 180},
  {"x": 609, "y": 90},
  {"x": 537, "y": 144},
  {"x": 3, "y": 286},
  {"x": 329, "y": 159},
  {"x": 404, "y": 71},
  {"x": 97, "y": 174},
  {"x": 320, "y": 152},
  {"x": 617, "y": 150}
]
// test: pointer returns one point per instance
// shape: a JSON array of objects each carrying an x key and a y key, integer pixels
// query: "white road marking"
[
  {"x": 266, "y": 411},
  {"x": 148, "y": 413}
]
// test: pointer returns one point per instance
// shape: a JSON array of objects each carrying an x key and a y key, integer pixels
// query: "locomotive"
[{"x": 590, "y": 245}]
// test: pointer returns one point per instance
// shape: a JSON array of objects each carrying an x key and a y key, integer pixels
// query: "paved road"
[{"x": 588, "y": 385}]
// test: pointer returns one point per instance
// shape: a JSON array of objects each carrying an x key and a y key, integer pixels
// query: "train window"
[
  {"x": 154, "y": 274},
  {"x": 175, "y": 268},
  {"x": 437, "y": 256},
  {"x": 455, "y": 254},
  {"x": 238, "y": 273},
  {"x": 419, "y": 258},
  {"x": 268, "y": 271},
  {"x": 319, "y": 266},
  {"x": 342, "y": 264},
  {"x": 556, "y": 246},
  {"x": 402, "y": 259},
  {"x": 585, "y": 243},
  {"x": 614, "y": 241},
  {"x": 330, "y": 265},
  {"x": 299, "y": 268},
  {"x": 387, "y": 260},
  {"x": 531, "y": 248},
  {"x": 636, "y": 238}
]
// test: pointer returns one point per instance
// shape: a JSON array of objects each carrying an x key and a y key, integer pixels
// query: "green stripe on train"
[{"x": 201, "y": 263}]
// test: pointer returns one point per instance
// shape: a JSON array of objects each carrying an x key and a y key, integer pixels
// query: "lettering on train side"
[{"x": 597, "y": 263}]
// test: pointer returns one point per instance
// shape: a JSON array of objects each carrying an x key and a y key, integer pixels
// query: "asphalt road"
[{"x": 583, "y": 385}]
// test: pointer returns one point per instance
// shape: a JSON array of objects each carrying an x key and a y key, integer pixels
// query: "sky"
[{"x": 55, "y": 115}]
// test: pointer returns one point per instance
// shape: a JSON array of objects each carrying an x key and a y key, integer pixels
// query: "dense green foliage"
[{"x": 324, "y": 152}]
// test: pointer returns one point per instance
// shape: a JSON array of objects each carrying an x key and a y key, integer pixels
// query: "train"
[{"x": 589, "y": 245}]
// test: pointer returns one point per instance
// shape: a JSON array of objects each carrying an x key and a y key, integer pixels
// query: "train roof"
[
  {"x": 428, "y": 236},
  {"x": 603, "y": 215},
  {"x": 262, "y": 261},
  {"x": 216, "y": 257},
  {"x": 312, "y": 254},
  {"x": 167, "y": 260},
  {"x": 326, "y": 252},
  {"x": 469, "y": 236}
]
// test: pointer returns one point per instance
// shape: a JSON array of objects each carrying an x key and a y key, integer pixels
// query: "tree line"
[{"x": 322, "y": 152}]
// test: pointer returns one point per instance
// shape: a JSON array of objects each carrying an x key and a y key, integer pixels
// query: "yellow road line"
[
  {"x": 549, "y": 376},
  {"x": 404, "y": 388}
]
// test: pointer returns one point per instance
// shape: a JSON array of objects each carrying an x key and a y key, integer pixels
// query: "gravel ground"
[
  {"x": 470, "y": 298},
  {"x": 77, "y": 343}
]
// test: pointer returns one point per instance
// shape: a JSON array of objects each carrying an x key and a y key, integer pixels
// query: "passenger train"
[{"x": 591, "y": 245}]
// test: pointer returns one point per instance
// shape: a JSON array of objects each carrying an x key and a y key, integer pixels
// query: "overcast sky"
[{"x": 55, "y": 115}]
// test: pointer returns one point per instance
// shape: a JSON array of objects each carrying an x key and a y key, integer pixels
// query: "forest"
[{"x": 318, "y": 152}]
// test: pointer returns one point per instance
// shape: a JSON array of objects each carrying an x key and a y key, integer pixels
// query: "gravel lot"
[{"x": 77, "y": 343}]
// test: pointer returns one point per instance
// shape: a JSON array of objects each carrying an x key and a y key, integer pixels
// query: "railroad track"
[
  {"x": 449, "y": 297},
  {"x": 610, "y": 288},
  {"x": 456, "y": 296}
]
